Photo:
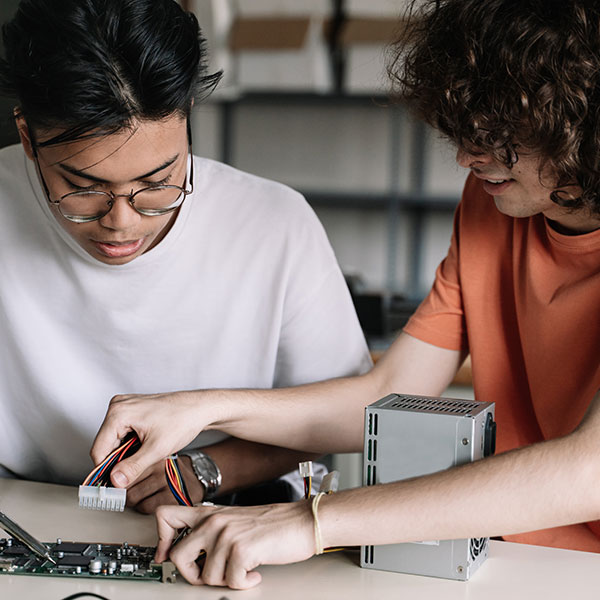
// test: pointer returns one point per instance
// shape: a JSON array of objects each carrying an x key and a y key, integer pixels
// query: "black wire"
[{"x": 83, "y": 594}]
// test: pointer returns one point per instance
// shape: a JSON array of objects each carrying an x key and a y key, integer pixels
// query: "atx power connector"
[{"x": 102, "y": 497}]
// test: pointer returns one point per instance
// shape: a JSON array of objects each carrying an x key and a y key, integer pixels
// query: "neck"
[{"x": 575, "y": 223}]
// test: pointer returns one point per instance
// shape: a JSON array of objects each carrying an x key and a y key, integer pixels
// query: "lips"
[
  {"x": 493, "y": 185},
  {"x": 496, "y": 187},
  {"x": 118, "y": 249}
]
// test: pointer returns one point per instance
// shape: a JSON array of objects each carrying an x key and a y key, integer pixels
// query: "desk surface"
[{"x": 512, "y": 571}]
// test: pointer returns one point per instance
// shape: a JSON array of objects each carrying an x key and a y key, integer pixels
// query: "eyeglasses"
[{"x": 91, "y": 205}]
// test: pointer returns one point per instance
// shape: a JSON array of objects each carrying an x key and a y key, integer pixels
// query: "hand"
[
  {"x": 165, "y": 423},
  {"x": 236, "y": 540},
  {"x": 151, "y": 489}
]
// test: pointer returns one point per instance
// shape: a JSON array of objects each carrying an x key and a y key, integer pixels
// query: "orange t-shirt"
[{"x": 522, "y": 299}]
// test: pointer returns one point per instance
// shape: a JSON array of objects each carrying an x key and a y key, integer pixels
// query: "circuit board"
[{"x": 85, "y": 559}]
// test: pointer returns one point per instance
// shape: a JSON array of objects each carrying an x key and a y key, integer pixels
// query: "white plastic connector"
[
  {"x": 102, "y": 498},
  {"x": 306, "y": 468},
  {"x": 330, "y": 482}
]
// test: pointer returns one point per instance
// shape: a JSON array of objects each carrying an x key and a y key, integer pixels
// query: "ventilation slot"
[
  {"x": 371, "y": 474},
  {"x": 476, "y": 547},
  {"x": 454, "y": 407},
  {"x": 369, "y": 554}
]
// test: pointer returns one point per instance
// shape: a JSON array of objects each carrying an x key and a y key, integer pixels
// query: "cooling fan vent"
[{"x": 477, "y": 546}]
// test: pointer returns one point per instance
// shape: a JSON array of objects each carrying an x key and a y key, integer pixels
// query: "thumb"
[{"x": 129, "y": 470}]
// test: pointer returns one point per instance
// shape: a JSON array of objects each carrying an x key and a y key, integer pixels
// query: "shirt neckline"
[{"x": 583, "y": 242}]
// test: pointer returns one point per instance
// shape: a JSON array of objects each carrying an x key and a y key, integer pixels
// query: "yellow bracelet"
[{"x": 315, "y": 507}]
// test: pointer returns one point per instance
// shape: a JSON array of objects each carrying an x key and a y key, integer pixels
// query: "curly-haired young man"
[{"x": 516, "y": 86}]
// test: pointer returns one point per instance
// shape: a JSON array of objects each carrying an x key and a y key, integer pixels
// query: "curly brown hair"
[{"x": 497, "y": 76}]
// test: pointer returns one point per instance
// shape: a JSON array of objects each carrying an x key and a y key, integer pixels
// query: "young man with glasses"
[
  {"x": 516, "y": 87},
  {"x": 128, "y": 265}
]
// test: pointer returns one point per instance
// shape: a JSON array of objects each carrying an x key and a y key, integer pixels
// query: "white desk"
[{"x": 512, "y": 571}]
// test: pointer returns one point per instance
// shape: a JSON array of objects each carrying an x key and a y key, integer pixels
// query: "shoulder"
[{"x": 239, "y": 194}]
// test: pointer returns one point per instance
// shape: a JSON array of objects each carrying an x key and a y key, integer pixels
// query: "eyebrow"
[{"x": 91, "y": 177}]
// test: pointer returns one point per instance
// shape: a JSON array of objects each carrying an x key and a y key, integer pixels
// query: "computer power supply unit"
[{"x": 409, "y": 436}]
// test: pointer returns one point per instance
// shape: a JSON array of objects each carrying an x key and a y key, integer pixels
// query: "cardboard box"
[
  {"x": 280, "y": 53},
  {"x": 376, "y": 8},
  {"x": 282, "y": 8}
]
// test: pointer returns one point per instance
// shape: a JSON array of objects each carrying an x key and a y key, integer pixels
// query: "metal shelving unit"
[{"x": 400, "y": 204}]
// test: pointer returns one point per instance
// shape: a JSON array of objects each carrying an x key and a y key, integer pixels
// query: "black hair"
[{"x": 90, "y": 67}]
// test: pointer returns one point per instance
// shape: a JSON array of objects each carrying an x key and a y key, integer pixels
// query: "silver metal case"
[{"x": 409, "y": 436}]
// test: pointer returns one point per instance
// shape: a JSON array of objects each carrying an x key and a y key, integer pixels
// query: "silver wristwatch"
[{"x": 206, "y": 471}]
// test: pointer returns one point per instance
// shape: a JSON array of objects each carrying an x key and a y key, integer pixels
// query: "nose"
[
  {"x": 468, "y": 161},
  {"x": 122, "y": 216}
]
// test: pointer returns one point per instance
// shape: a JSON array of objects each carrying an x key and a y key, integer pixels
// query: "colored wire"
[
  {"x": 101, "y": 474},
  {"x": 175, "y": 482},
  {"x": 307, "y": 486}
]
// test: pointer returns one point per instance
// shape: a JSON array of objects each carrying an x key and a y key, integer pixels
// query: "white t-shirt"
[{"x": 244, "y": 291}]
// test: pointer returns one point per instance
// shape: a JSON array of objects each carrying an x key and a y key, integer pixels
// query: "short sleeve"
[
  {"x": 439, "y": 320},
  {"x": 320, "y": 335}
]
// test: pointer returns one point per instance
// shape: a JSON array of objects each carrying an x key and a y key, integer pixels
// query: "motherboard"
[{"x": 85, "y": 559}]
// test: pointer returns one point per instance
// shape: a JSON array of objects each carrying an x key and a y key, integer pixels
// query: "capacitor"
[
  {"x": 9, "y": 542},
  {"x": 95, "y": 566},
  {"x": 78, "y": 570},
  {"x": 58, "y": 541},
  {"x": 112, "y": 564},
  {"x": 60, "y": 554}
]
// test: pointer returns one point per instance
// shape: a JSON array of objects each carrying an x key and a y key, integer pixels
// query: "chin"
[{"x": 509, "y": 209}]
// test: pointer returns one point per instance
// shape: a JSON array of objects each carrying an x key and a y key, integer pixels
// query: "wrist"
[
  {"x": 212, "y": 409},
  {"x": 206, "y": 471}
]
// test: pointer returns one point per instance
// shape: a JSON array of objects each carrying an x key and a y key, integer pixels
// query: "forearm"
[
  {"x": 328, "y": 416},
  {"x": 549, "y": 484},
  {"x": 243, "y": 464},
  {"x": 321, "y": 417}
]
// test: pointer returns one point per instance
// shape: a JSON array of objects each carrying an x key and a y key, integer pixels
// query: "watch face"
[
  {"x": 207, "y": 467},
  {"x": 207, "y": 472}
]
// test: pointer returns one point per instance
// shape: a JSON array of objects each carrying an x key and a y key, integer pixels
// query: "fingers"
[
  {"x": 228, "y": 554},
  {"x": 112, "y": 430},
  {"x": 152, "y": 417},
  {"x": 131, "y": 469},
  {"x": 150, "y": 490},
  {"x": 184, "y": 556},
  {"x": 239, "y": 577},
  {"x": 170, "y": 519}
]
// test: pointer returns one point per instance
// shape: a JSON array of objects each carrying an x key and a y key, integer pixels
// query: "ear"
[{"x": 23, "y": 130}]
